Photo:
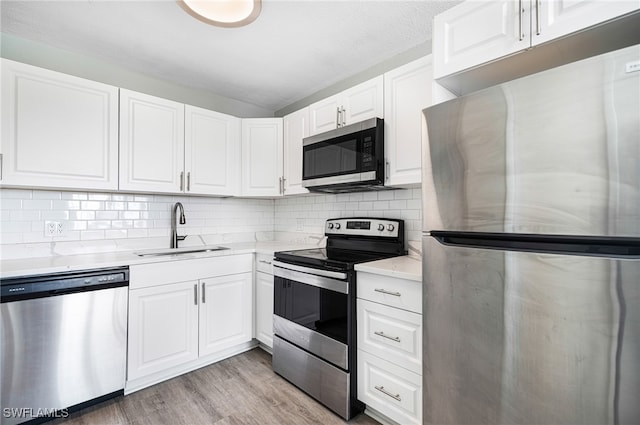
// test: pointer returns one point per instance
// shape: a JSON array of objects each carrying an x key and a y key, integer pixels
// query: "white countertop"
[
  {"x": 405, "y": 267},
  {"x": 63, "y": 263}
]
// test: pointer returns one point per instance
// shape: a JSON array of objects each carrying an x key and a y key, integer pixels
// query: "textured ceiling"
[{"x": 292, "y": 50}]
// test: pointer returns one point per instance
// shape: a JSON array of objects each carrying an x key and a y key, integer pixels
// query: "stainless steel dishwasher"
[{"x": 64, "y": 340}]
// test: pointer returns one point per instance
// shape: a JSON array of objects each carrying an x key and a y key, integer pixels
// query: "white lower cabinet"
[
  {"x": 389, "y": 317},
  {"x": 225, "y": 312},
  {"x": 264, "y": 300},
  {"x": 163, "y": 328},
  {"x": 390, "y": 389},
  {"x": 186, "y": 314}
]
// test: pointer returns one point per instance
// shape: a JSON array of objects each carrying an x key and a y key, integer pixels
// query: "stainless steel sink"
[{"x": 179, "y": 251}]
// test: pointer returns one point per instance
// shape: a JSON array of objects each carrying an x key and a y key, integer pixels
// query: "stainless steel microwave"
[{"x": 346, "y": 159}]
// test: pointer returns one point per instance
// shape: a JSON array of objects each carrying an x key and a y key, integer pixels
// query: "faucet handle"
[{"x": 181, "y": 238}]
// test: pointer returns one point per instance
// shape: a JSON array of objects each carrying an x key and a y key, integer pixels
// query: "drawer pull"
[
  {"x": 392, "y": 338},
  {"x": 384, "y": 291},
  {"x": 264, "y": 262},
  {"x": 385, "y": 392}
]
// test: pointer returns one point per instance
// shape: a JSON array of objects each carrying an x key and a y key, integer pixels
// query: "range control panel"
[{"x": 378, "y": 227}]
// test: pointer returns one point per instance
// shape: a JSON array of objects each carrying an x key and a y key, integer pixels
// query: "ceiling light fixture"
[{"x": 223, "y": 13}]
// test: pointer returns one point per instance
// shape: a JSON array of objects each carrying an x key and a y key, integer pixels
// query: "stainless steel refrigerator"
[{"x": 531, "y": 245}]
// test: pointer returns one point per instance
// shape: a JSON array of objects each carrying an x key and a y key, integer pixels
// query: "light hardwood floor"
[{"x": 239, "y": 390}]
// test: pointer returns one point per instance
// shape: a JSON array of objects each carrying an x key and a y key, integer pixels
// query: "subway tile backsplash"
[
  {"x": 308, "y": 213},
  {"x": 99, "y": 222}
]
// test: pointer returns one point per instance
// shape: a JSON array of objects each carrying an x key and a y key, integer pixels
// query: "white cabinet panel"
[
  {"x": 557, "y": 18},
  {"x": 364, "y": 101},
  {"x": 57, "y": 130},
  {"x": 358, "y": 103},
  {"x": 151, "y": 143},
  {"x": 389, "y": 389},
  {"x": 262, "y": 156},
  {"x": 324, "y": 114},
  {"x": 407, "y": 92},
  {"x": 212, "y": 152},
  {"x": 163, "y": 328},
  {"x": 477, "y": 32},
  {"x": 296, "y": 128},
  {"x": 394, "y": 292},
  {"x": 390, "y": 333},
  {"x": 264, "y": 308},
  {"x": 225, "y": 312}
]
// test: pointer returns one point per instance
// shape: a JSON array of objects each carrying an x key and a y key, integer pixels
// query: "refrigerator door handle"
[{"x": 592, "y": 246}]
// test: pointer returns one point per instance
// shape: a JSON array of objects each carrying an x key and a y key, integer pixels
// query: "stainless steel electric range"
[{"x": 315, "y": 308}]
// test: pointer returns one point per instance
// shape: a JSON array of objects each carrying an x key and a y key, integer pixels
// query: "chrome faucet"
[{"x": 174, "y": 232}]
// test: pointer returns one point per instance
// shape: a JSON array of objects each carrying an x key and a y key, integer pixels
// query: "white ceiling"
[{"x": 292, "y": 50}]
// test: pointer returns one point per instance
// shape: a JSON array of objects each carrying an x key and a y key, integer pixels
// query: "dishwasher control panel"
[{"x": 61, "y": 283}]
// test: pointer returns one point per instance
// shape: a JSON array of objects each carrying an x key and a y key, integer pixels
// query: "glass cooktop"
[{"x": 332, "y": 259}]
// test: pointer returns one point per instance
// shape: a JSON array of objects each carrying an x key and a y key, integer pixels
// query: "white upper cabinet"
[
  {"x": 407, "y": 91},
  {"x": 151, "y": 143},
  {"x": 556, "y": 18},
  {"x": 262, "y": 157},
  {"x": 212, "y": 152},
  {"x": 324, "y": 114},
  {"x": 364, "y": 101},
  {"x": 57, "y": 130},
  {"x": 296, "y": 128},
  {"x": 355, "y": 104},
  {"x": 477, "y": 32}
]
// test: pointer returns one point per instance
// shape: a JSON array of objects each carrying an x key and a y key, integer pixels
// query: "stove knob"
[
  {"x": 330, "y": 225},
  {"x": 381, "y": 227},
  {"x": 390, "y": 227},
  {"x": 337, "y": 225}
]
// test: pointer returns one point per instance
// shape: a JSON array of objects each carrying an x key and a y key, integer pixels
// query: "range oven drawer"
[
  {"x": 329, "y": 349},
  {"x": 321, "y": 380}
]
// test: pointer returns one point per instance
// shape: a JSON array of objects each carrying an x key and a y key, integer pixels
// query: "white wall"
[{"x": 56, "y": 59}]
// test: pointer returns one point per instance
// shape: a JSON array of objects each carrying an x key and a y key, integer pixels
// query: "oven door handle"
[
  {"x": 310, "y": 270},
  {"x": 312, "y": 279}
]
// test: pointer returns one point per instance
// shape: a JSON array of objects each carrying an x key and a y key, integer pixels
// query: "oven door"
[{"x": 311, "y": 310}]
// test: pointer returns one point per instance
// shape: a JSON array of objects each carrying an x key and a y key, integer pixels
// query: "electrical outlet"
[
  {"x": 632, "y": 66},
  {"x": 53, "y": 228},
  {"x": 299, "y": 224}
]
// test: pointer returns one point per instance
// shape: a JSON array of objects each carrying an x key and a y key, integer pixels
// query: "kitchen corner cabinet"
[
  {"x": 58, "y": 130},
  {"x": 473, "y": 33},
  {"x": 262, "y": 145},
  {"x": 186, "y": 314},
  {"x": 151, "y": 143},
  {"x": 407, "y": 91},
  {"x": 296, "y": 128},
  {"x": 211, "y": 152},
  {"x": 264, "y": 300},
  {"x": 355, "y": 104}
]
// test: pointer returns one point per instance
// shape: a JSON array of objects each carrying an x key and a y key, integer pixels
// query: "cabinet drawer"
[
  {"x": 263, "y": 263},
  {"x": 392, "y": 334},
  {"x": 389, "y": 389},
  {"x": 145, "y": 275},
  {"x": 400, "y": 293}
]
